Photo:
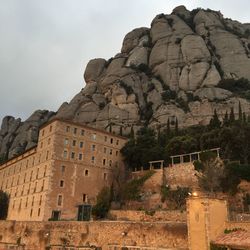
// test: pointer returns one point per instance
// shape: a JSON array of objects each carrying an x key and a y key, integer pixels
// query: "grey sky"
[{"x": 45, "y": 45}]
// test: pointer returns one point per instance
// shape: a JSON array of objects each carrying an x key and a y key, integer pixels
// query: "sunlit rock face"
[{"x": 166, "y": 72}]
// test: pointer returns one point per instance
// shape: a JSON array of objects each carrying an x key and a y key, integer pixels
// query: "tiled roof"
[{"x": 238, "y": 239}]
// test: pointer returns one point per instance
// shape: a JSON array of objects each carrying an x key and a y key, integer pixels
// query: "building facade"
[{"x": 69, "y": 166}]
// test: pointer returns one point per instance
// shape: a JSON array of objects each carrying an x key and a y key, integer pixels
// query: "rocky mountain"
[{"x": 186, "y": 65}]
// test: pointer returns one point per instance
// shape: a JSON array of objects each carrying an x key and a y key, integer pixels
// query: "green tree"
[
  {"x": 226, "y": 120},
  {"x": 215, "y": 122},
  {"x": 240, "y": 113},
  {"x": 101, "y": 209},
  {"x": 4, "y": 205},
  {"x": 181, "y": 145},
  {"x": 210, "y": 173},
  {"x": 231, "y": 116},
  {"x": 138, "y": 152}
]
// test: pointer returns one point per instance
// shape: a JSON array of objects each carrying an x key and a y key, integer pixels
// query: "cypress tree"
[
  {"x": 240, "y": 113},
  {"x": 226, "y": 120},
  {"x": 132, "y": 133},
  {"x": 176, "y": 126},
  {"x": 215, "y": 121},
  {"x": 244, "y": 117},
  {"x": 231, "y": 116},
  {"x": 168, "y": 127}
]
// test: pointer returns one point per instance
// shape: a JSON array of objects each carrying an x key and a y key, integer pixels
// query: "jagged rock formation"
[
  {"x": 17, "y": 136},
  {"x": 171, "y": 70}
]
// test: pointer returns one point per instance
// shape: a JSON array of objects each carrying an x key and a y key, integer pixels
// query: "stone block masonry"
[{"x": 103, "y": 234}]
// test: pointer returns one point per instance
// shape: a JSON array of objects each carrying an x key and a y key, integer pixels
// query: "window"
[
  {"x": 40, "y": 201},
  {"x": 80, "y": 157},
  {"x": 32, "y": 203},
  {"x": 84, "y": 197},
  {"x": 86, "y": 172},
  {"x": 93, "y": 159},
  {"x": 61, "y": 183},
  {"x": 82, "y": 132},
  {"x": 93, "y": 147},
  {"x": 105, "y": 138},
  {"x": 31, "y": 175},
  {"x": 37, "y": 173},
  {"x": 111, "y": 140},
  {"x": 103, "y": 162},
  {"x": 73, "y": 143},
  {"x": 26, "y": 203},
  {"x": 41, "y": 145},
  {"x": 43, "y": 133},
  {"x": 67, "y": 128},
  {"x": 44, "y": 173},
  {"x": 63, "y": 169},
  {"x": 105, "y": 176},
  {"x": 65, "y": 154},
  {"x": 110, "y": 152},
  {"x": 59, "y": 200},
  {"x": 42, "y": 187},
  {"x": 105, "y": 150},
  {"x": 38, "y": 213},
  {"x": 66, "y": 141},
  {"x": 48, "y": 141},
  {"x": 117, "y": 142},
  {"x": 110, "y": 163},
  {"x": 75, "y": 131},
  {"x": 47, "y": 155},
  {"x": 81, "y": 144},
  {"x": 93, "y": 136},
  {"x": 20, "y": 205},
  {"x": 31, "y": 211},
  {"x": 50, "y": 128},
  {"x": 35, "y": 187},
  {"x": 72, "y": 155}
]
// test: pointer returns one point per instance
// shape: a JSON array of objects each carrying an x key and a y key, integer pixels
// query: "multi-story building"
[{"x": 69, "y": 166}]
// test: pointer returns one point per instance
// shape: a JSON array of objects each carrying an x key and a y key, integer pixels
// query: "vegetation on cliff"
[{"x": 231, "y": 135}]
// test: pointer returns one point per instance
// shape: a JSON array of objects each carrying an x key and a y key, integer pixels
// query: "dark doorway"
[
  {"x": 56, "y": 215},
  {"x": 84, "y": 212}
]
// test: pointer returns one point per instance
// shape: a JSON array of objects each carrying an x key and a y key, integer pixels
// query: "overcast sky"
[{"x": 46, "y": 44}]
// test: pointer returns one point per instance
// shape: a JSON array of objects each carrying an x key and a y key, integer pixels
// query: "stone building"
[{"x": 69, "y": 166}]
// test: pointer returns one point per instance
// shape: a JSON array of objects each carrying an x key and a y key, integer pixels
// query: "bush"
[
  {"x": 101, "y": 209},
  {"x": 127, "y": 88},
  {"x": 131, "y": 190},
  {"x": 177, "y": 197}
]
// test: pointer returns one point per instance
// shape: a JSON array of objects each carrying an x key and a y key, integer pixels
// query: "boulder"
[
  {"x": 213, "y": 94},
  {"x": 94, "y": 69}
]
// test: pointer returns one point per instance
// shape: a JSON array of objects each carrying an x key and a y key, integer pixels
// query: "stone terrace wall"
[
  {"x": 38, "y": 235},
  {"x": 182, "y": 175},
  {"x": 132, "y": 215},
  {"x": 233, "y": 224}
]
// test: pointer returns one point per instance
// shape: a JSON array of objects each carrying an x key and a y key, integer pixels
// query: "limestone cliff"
[{"x": 170, "y": 70}]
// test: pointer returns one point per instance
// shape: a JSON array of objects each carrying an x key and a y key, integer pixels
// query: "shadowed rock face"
[{"x": 184, "y": 54}]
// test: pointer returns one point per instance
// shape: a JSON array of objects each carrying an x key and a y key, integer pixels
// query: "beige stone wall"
[
  {"x": 206, "y": 220},
  {"x": 182, "y": 175},
  {"x": 37, "y": 235},
  {"x": 133, "y": 215},
  {"x": 35, "y": 180}
]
